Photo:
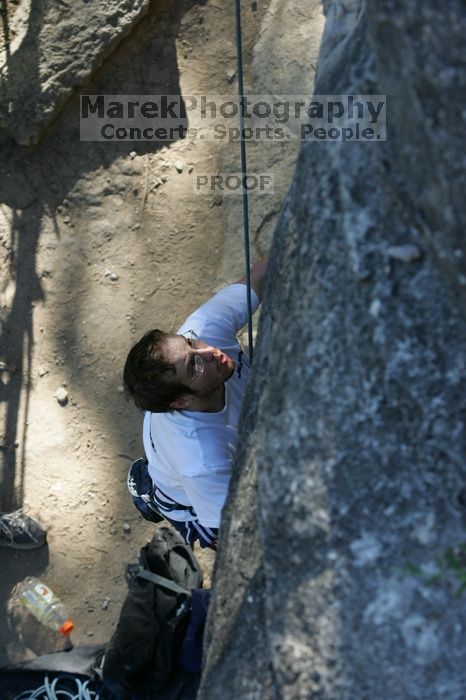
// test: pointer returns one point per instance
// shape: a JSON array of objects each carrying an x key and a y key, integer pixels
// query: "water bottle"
[{"x": 44, "y": 605}]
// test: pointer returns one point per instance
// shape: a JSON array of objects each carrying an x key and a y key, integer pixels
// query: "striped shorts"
[{"x": 155, "y": 505}]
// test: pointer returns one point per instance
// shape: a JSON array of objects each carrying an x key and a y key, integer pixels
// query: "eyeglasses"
[{"x": 198, "y": 364}]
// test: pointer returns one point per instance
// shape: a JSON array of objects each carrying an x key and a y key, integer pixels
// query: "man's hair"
[{"x": 145, "y": 374}]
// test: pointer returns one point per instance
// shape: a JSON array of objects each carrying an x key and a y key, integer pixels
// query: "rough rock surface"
[
  {"x": 57, "y": 47},
  {"x": 342, "y": 565}
]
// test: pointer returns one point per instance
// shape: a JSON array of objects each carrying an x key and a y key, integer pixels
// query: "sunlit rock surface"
[{"x": 54, "y": 49}]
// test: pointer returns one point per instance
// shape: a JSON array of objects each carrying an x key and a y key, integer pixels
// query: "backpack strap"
[{"x": 140, "y": 572}]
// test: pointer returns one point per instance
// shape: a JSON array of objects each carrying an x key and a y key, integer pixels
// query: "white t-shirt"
[{"x": 193, "y": 452}]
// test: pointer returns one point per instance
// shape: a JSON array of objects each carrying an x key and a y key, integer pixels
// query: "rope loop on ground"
[{"x": 52, "y": 691}]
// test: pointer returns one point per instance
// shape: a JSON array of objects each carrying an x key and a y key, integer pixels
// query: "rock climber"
[{"x": 191, "y": 386}]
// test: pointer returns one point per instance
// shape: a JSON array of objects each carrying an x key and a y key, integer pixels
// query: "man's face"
[{"x": 201, "y": 367}]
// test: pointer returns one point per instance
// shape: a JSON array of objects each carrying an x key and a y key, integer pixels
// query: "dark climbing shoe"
[{"x": 20, "y": 531}]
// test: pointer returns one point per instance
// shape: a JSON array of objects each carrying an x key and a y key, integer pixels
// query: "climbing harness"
[{"x": 239, "y": 63}]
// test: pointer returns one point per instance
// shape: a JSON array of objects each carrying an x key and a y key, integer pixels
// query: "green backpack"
[{"x": 142, "y": 653}]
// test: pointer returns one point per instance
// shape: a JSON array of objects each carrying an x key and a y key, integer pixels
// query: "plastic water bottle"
[{"x": 46, "y": 607}]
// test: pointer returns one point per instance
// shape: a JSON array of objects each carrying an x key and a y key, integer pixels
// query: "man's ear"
[{"x": 181, "y": 403}]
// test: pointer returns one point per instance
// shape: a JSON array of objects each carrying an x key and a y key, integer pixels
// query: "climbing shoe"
[{"x": 20, "y": 531}]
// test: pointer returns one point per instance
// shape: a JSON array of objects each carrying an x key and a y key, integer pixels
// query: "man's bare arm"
[{"x": 257, "y": 276}]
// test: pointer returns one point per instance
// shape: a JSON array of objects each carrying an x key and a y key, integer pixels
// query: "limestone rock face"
[
  {"x": 55, "y": 48},
  {"x": 342, "y": 563}
]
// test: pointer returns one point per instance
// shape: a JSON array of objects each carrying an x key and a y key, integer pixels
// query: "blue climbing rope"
[{"x": 247, "y": 262}]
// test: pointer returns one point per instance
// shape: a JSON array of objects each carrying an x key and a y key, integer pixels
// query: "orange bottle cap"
[{"x": 66, "y": 627}]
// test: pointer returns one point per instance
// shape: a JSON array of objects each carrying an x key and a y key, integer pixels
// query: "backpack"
[{"x": 142, "y": 653}]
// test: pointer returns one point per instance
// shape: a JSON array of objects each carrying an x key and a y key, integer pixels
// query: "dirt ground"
[{"x": 100, "y": 242}]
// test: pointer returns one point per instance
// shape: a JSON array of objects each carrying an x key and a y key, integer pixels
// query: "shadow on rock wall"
[{"x": 36, "y": 180}]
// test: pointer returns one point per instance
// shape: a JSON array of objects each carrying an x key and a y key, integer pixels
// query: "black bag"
[{"x": 144, "y": 649}]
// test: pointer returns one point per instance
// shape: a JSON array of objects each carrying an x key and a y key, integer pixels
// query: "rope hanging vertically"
[{"x": 247, "y": 264}]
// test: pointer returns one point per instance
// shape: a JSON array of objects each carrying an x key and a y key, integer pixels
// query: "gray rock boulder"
[
  {"x": 342, "y": 567},
  {"x": 55, "y": 47}
]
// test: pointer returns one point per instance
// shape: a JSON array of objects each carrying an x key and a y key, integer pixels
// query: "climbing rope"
[
  {"x": 52, "y": 691},
  {"x": 247, "y": 265}
]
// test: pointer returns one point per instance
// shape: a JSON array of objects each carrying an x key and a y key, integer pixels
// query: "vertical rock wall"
[{"x": 343, "y": 559}]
